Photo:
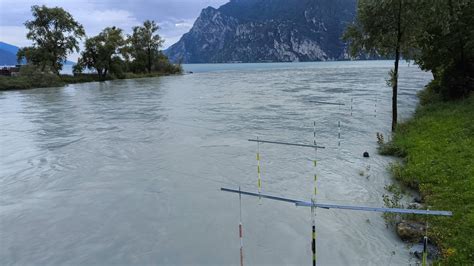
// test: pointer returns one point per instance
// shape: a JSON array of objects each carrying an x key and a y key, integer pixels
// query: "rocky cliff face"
[{"x": 267, "y": 31}]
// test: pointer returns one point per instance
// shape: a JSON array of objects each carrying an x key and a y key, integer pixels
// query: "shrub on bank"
[{"x": 30, "y": 77}]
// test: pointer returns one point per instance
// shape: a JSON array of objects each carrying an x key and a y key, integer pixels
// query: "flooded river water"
[{"x": 129, "y": 172}]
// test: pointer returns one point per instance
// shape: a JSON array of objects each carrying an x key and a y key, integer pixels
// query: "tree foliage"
[
  {"x": 383, "y": 27},
  {"x": 377, "y": 26},
  {"x": 110, "y": 54},
  {"x": 438, "y": 35},
  {"x": 444, "y": 37},
  {"x": 144, "y": 47},
  {"x": 102, "y": 53},
  {"x": 55, "y": 34}
]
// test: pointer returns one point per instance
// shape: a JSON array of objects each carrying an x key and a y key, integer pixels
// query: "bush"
[
  {"x": 431, "y": 93},
  {"x": 40, "y": 78},
  {"x": 451, "y": 82},
  {"x": 30, "y": 77},
  {"x": 80, "y": 78},
  {"x": 14, "y": 83}
]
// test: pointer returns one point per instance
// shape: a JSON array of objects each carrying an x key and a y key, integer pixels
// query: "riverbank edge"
[
  {"x": 437, "y": 150},
  {"x": 26, "y": 83}
]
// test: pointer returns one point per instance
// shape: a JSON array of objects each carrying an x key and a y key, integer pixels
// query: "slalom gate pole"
[
  {"x": 259, "y": 180},
  {"x": 425, "y": 251},
  {"x": 315, "y": 192},
  {"x": 241, "y": 231}
]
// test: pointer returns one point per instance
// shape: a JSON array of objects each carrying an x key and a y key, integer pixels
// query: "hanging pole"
[
  {"x": 339, "y": 133},
  {"x": 352, "y": 99},
  {"x": 425, "y": 251},
  {"x": 313, "y": 209},
  {"x": 314, "y": 161},
  {"x": 313, "y": 244},
  {"x": 424, "y": 259},
  {"x": 375, "y": 110},
  {"x": 259, "y": 181},
  {"x": 241, "y": 231}
]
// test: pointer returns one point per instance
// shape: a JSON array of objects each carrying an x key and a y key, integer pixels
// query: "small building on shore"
[{"x": 10, "y": 71}]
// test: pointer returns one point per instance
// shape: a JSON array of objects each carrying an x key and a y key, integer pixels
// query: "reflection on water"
[{"x": 129, "y": 171}]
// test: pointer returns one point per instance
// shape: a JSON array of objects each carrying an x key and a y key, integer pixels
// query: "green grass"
[{"x": 437, "y": 145}]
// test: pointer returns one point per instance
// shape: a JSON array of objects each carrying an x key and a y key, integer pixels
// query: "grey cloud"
[{"x": 175, "y": 17}]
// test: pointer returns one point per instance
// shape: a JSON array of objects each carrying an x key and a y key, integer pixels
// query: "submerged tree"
[
  {"x": 382, "y": 27},
  {"x": 144, "y": 46},
  {"x": 102, "y": 52},
  {"x": 55, "y": 34}
]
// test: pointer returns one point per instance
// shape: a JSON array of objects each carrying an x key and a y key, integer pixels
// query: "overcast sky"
[{"x": 175, "y": 17}]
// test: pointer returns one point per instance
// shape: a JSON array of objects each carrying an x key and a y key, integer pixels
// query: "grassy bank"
[
  {"x": 50, "y": 80},
  {"x": 437, "y": 145}
]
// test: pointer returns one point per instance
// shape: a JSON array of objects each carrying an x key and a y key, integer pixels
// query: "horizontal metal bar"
[
  {"x": 302, "y": 203},
  {"x": 287, "y": 143},
  {"x": 374, "y": 209},
  {"x": 327, "y": 103},
  {"x": 260, "y": 195}
]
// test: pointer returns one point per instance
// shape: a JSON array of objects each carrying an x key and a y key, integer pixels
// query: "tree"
[
  {"x": 144, "y": 46},
  {"x": 382, "y": 27},
  {"x": 34, "y": 56},
  {"x": 102, "y": 52},
  {"x": 445, "y": 40},
  {"x": 55, "y": 34}
]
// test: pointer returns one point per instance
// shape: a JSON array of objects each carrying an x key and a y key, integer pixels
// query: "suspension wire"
[
  {"x": 286, "y": 143},
  {"x": 329, "y": 103}
]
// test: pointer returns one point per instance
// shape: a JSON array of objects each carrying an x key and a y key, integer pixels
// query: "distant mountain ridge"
[
  {"x": 267, "y": 30},
  {"x": 8, "y": 55}
]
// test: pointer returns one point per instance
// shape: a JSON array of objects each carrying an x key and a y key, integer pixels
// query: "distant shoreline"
[{"x": 27, "y": 83}]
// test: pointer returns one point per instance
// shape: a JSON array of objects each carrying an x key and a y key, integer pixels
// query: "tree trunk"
[
  {"x": 395, "y": 91},
  {"x": 395, "y": 71},
  {"x": 149, "y": 60}
]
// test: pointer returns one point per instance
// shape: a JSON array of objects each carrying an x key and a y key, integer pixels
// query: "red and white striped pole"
[
  {"x": 313, "y": 199},
  {"x": 241, "y": 232}
]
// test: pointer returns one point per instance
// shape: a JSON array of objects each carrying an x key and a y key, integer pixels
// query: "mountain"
[
  {"x": 267, "y": 30},
  {"x": 8, "y": 55}
]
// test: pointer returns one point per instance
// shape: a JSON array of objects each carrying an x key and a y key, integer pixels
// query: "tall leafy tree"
[
  {"x": 55, "y": 34},
  {"x": 35, "y": 56},
  {"x": 382, "y": 27},
  {"x": 445, "y": 40},
  {"x": 101, "y": 52},
  {"x": 144, "y": 46}
]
